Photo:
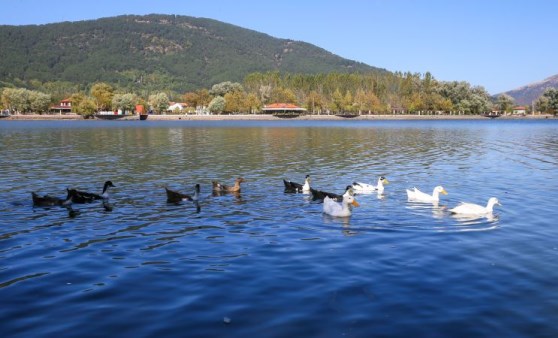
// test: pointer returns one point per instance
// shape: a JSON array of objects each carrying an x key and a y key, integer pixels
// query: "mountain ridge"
[
  {"x": 527, "y": 94},
  {"x": 181, "y": 52}
]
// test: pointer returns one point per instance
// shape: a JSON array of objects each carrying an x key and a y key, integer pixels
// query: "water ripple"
[{"x": 270, "y": 261}]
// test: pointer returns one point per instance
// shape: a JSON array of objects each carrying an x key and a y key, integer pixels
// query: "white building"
[{"x": 177, "y": 107}]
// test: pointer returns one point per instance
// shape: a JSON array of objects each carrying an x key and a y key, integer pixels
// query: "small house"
[
  {"x": 519, "y": 110},
  {"x": 177, "y": 107},
  {"x": 64, "y": 107}
]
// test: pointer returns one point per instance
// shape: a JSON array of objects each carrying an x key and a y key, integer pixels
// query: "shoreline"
[{"x": 265, "y": 117}]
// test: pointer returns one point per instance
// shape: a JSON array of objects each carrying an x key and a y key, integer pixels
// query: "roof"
[
  {"x": 282, "y": 106},
  {"x": 519, "y": 108}
]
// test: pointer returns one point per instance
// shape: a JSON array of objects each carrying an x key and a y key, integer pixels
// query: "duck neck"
[
  {"x": 105, "y": 194},
  {"x": 436, "y": 195},
  {"x": 306, "y": 186},
  {"x": 346, "y": 207},
  {"x": 380, "y": 185},
  {"x": 196, "y": 193},
  {"x": 490, "y": 206},
  {"x": 68, "y": 200}
]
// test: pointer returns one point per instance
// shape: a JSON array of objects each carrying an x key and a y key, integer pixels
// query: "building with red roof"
[
  {"x": 519, "y": 110},
  {"x": 283, "y": 109},
  {"x": 64, "y": 107}
]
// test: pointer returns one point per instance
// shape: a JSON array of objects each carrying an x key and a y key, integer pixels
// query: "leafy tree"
[
  {"x": 505, "y": 103},
  {"x": 283, "y": 95},
  {"x": 159, "y": 102},
  {"x": 87, "y": 107},
  {"x": 360, "y": 101},
  {"x": 217, "y": 105},
  {"x": 103, "y": 94},
  {"x": 83, "y": 105},
  {"x": 415, "y": 103},
  {"x": 191, "y": 98},
  {"x": 314, "y": 102},
  {"x": 551, "y": 96},
  {"x": 24, "y": 100},
  {"x": 125, "y": 102},
  {"x": 338, "y": 102},
  {"x": 203, "y": 97},
  {"x": 39, "y": 102},
  {"x": 264, "y": 92},
  {"x": 252, "y": 103},
  {"x": 541, "y": 104},
  {"x": 348, "y": 104},
  {"x": 16, "y": 99},
  {"x": 235, "y": 102},
  {"x": 220, "y": 89},
  {"x": 76, "y": 99}
]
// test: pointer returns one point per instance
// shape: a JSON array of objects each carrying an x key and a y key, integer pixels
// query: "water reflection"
[{"x": 475, "y": 219}]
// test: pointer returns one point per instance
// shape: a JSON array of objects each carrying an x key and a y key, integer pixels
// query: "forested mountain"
[
  {"x": 154, "y": 52},
  {"x": 527, "y": 94}
]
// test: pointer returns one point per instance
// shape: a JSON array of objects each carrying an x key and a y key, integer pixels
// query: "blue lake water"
[{"x": 270, "y": 264}]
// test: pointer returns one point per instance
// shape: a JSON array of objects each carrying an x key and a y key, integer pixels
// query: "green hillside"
[{"x": 155, "y": 52}]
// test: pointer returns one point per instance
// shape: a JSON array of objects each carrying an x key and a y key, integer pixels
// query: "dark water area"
[{"x": 268, "y": 263}]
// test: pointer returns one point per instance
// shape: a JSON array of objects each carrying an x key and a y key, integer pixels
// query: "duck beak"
[
  {"x": 355, "y": 203},
  {"x": 444, "y": 192},
  {"x": 386, "y": 181}
]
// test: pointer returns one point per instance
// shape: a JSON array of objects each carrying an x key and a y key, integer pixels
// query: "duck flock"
[{"x": 336, "y": 205}]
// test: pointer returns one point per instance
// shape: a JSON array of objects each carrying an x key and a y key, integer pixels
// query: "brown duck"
[{"x": 226, "y": 188}]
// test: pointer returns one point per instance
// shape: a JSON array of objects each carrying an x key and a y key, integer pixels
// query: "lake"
[{"x": 265, "y": 263}]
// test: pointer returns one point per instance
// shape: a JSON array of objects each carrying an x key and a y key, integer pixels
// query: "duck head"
[
  {"x": 493, "y": 201},
  {"x": 439, "y": 189},
  {"x": 350, "y": 200},
  {"x": 349, "y": 191},
  {"x": 107, "y": 185}
]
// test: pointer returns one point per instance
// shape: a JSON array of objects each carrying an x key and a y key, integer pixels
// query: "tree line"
[{"x": 326, "y": 93}]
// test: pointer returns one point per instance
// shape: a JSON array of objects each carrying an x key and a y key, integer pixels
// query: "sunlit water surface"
[{"x": 267, "y": 263}]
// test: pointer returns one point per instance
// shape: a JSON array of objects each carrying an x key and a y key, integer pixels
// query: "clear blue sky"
[{"x": 497, "y": 44}]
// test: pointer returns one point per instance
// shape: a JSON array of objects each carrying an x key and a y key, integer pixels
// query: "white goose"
[
  {"x": 343, "y": 209},
  {"x": 363, "y": 188},
  {"x": 475, "y": 209},
  {"x": 416, "y": 195}
]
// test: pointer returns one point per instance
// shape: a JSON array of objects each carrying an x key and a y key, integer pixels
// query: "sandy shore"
[{"x": 264, "y": 117}]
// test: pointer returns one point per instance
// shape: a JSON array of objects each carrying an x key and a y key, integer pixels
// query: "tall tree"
[
  {"x": 217, "y": 105},
  {"x": 223, "y": 88},
  {"x": 314, "y": 102},
  {"x": 102, "y": 94},
  {"x": 125, "y": 102},
  {"x": 338, "y": 101},
  {"x": 159, "y": 102},
  {"x": 505, "y": 103},
  {"x": 39, "y": 102},
  {"x": 16, "y": 99},
  {"x": 235, "y": 102},
  {"x": 253, "y": 104},
  {"x": 551, "y": 95}
]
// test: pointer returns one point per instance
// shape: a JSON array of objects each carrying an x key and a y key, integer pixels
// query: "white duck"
[
  {"x": 416, "y": 195},
  {"x": 363, "y": 188},
  {"x": 475, "y": 209},
  {"x": 343, "y": 209}
]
